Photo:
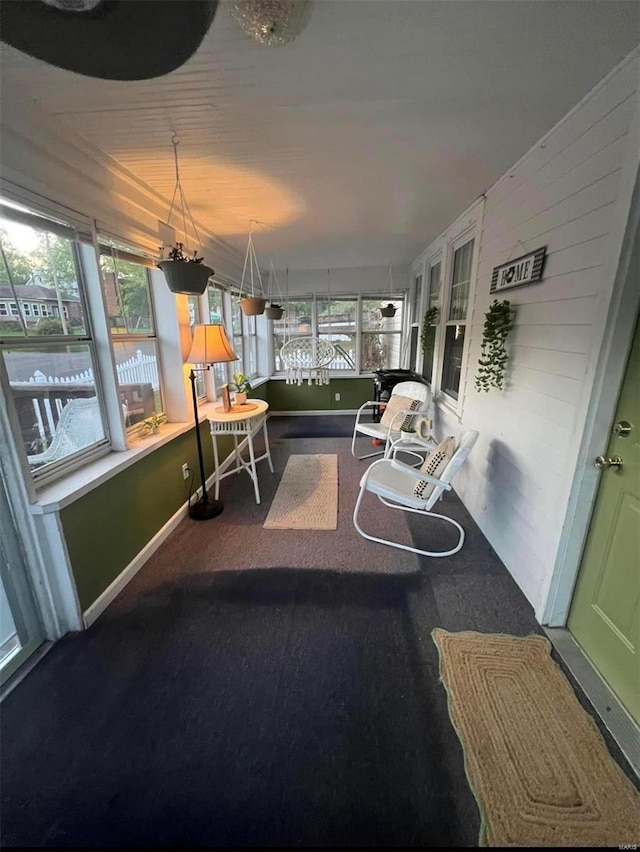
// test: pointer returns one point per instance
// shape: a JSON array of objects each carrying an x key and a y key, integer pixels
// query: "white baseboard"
[
  {"x": 316, "y": 413},
  {"x": 113, "y": 590}
]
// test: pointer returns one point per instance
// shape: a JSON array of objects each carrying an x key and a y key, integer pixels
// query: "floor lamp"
[{"x": 210, "y": 346}]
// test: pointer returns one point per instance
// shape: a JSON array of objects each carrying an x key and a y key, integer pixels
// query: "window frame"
[
  {"x": 401, "y": 296},
  {"x": 40, "y": 220},
  {"x": 129, "y": 255}
]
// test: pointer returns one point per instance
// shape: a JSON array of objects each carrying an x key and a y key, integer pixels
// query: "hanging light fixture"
[
  {"x": 272, "y": 22},
  {"x": 185, "y": 273}
]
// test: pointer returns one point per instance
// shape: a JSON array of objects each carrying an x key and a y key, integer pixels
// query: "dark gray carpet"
[
  {"x": 281, "y": 707},
  {"x": 318, "y": 426}
]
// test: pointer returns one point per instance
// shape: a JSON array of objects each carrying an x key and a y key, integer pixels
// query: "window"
[
  {"x": 127, "y": 294},
  {"x": 26, "y": 307},
  {"x": 455, "y": 324},
  {"x": 236, "y": 334},
  {"x": 429, "y": 333},
  {"x": 4, "y": 311},
  {"x": 381, "y": 336},
  {"x": 417, "y": 291},
  {"x": 297, "y": 321},
  {"x": 250, "y": 346},
  {"x": 337, "y": 323},
  {"x": 194, "y": 319},
  {"x": 50, "y": 363},
  {"x": 355, "y": 326},
  {"x": 217, "y": 314}
]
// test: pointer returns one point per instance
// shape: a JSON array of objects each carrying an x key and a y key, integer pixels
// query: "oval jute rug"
[{"x": 537, "y": 765}]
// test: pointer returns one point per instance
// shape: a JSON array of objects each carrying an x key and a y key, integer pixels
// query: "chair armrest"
[
  {"x": 414, "y": 439},
  {"x": 418, "y": 474},
  {"x": 364, "y": 405}
]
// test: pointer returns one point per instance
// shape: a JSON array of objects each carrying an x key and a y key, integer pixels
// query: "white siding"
[{"x": 566, "y": 193}]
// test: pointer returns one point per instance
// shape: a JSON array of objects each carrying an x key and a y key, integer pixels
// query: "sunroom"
[{"x": 413, "y": 154}]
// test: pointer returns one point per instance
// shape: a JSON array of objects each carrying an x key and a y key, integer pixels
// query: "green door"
[{"x": 605, "y": 610}]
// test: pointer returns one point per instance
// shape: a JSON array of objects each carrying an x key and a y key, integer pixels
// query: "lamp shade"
[{"x": 210, "y": 345}]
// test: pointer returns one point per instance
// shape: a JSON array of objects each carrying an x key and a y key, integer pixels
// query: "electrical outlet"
[
  {"x": 337, "y": 397},
  {"x": 185, "y": 471}
]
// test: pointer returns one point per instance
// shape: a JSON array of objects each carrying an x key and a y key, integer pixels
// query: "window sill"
[
  {"x": 68, "y": 489},
  {"x": 280, "y": 377}
]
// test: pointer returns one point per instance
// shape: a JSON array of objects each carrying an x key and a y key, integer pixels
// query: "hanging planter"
[
  {"x": 389, "y": 310},
  {"x": 251, "y": 305},
  {"x": 274, "y": 311},
  {"x": 185, "y": 274}
]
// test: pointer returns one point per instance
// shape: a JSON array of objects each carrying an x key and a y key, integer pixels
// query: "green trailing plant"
[
  {"x": 428, "y": 333},
  {"x": 498, "y": 323}
]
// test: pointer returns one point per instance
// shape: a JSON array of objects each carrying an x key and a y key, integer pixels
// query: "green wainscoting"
[
  {"x": 353, "y": 392},
  {"x": 106, "y": 529}
]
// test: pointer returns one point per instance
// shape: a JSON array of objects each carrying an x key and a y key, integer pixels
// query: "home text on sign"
[{"x": 523, "y": 270}]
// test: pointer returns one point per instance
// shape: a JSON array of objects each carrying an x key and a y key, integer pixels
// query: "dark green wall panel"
[
  {"x": 353, "y": 392},
  {"x": 107, "y": 528}
]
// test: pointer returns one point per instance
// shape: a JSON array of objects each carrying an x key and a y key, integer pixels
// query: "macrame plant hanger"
[
  {"x": 275, "y": 310},
  {"x": 389, "y": 310},
  {"x": 253, "y": 305},
  {"x": 307, "y": 357}
]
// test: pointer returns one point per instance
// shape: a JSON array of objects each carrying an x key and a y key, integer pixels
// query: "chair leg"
[
  {"x": 368, "y": 456},
  {"x": 406, "y": 546}
]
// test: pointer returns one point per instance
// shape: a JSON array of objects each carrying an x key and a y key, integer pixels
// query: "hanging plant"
[
  {"x": 497, "y": 324},
  {"x": 185, "y": 273},
  {"x": 389, "y": 310},
  {"x": 428, "y": 333}
]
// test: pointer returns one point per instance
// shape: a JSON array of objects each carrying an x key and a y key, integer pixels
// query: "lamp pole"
[{"x": 204, "y": 508}]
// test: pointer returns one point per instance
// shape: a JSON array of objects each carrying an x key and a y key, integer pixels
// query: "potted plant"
[
  {"x": 274, "y": 311},
  {"x": 186, "y": 274},
  {"x": 241, "y": 385},
  {"x": 153, "y": 422}
]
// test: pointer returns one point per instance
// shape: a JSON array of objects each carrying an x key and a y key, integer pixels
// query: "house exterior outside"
[{"x": 35, "y": 302}]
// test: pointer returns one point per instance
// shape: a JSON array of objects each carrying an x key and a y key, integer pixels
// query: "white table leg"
[
  {"x": 252, "y": 466},
  {"x": 266, "y": 443},
  {"x": 236, "y": 453}
]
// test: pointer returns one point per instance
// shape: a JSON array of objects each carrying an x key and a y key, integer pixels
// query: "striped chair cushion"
[
  {"x": 399, "y": 403},
  {"x": 434, "y": 465}
]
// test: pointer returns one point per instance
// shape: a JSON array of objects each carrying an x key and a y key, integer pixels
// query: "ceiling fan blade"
[{"x": 111, "y": 39}]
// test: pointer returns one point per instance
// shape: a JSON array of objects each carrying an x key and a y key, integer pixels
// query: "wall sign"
[{"x": 523, "y": 270}]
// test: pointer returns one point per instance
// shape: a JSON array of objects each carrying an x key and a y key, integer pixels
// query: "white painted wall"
[{"x": 570, "y": 192}]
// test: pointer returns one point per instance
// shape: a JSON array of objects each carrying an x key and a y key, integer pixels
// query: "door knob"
[{"x": 602, "y": 462}]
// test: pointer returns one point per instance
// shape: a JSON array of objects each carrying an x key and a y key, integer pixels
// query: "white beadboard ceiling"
[{"x": 359, "y": 142}]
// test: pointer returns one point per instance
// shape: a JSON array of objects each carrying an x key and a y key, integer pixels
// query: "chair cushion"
[
  {"x": 434, "y": 465},
  {"x": 397, "y": 403}
]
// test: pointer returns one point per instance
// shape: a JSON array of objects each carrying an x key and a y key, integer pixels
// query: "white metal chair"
[
  {"x": 414, "y": 390},
  {"x": 393, "y": 482},
  {"x": 79, "y": 426}
]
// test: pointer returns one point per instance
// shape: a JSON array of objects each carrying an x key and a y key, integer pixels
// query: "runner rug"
[
  {"x": 307, "y": 497},
  {"x": 538, "y": 767}
]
